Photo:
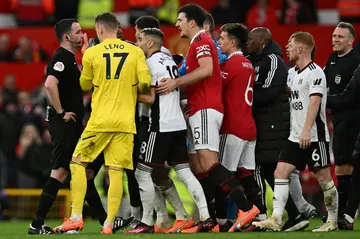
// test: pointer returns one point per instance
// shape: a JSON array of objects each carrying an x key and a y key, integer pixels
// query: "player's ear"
[{"x": 150, "y": 43}]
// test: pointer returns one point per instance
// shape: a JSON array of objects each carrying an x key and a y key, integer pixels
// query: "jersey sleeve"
[
  {"x": 142, "y": 72},
  {"x": 202, "y": 48},
  {"x": 153, "y": 72},
  {"x": 317, "y": 83},
  {"x": 86, "y": 78},
  {"x": 57, "y": 67}
]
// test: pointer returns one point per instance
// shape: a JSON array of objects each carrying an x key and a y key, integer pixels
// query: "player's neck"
[
  {"x": 302, "y": 62},
  {"x": 194, "y": 31},
  {"x": 151, "y": 52},
  {"x": 341, "y": 54},
  {"x": 110, "y": 36}
]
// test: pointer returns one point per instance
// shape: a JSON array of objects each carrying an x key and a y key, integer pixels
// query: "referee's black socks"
[
  {"x": 354, "y": 192},
  {"x": 343, "y": 191},
  {"x": 227, "y": 182},
  {"x": 93, "y": 199},
  {"x": 47, "y": 199}
]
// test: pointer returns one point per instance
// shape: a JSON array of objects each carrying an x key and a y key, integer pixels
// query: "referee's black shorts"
[
  {"x": 64, "y": 136},
  {"x": 346, "y": 130}
]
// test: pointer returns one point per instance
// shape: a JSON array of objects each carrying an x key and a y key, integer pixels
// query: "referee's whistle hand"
[{"x": 69, "y": 116}]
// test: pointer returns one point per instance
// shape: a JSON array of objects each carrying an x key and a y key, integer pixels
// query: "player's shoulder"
[
  {"x": 201, "y": 38},
  {"x": 60, "y": 54},
  {"x": 314, "y": 70}
]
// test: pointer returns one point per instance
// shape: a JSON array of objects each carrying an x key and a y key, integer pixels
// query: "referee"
[
  {"x": 339, "y": 71},
  {"x": 65, "y": 113}
]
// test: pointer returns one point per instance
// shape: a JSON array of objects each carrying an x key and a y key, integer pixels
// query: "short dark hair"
[
  {"x": 63, "y": 27},
  {"x": 238, "y": 32},
  {"x": 108, "y": 19},
  {"x": 119, "y": 33},
  {"x": 209, "y": 20},
  {"x": 154, "y": 32},
  {"x": 147, "y": 22},
  {"x": 348, "y": 26},
  {"x": 194, "y": 12}
]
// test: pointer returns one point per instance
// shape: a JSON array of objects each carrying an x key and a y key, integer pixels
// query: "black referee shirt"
[
  {"x": 64, "y": 67},
  {"x": 339, "y": 71}
]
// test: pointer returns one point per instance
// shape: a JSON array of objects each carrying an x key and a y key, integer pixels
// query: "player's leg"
[
  {"x": 205, "y": 125},
  {"x": 245, "y": 174},
  {"x": 154, "y": 152},
  {"x": 84, "y": 153},
  {"x": 197, "y": 170},
  {"x": 305, "y": 208},
  {"x": 343, "y": 144},
  {"x": 92, "y": 196},
  {"x": 133, "y": 186},
  {"x": 118, "y": 156},
  {"x": 347, "y": 220},
  {"x": 64, "y": 138},
  {"x": 180, "y": 163},
  {"x": 289, "y": 157},
  {"x": 319, "y": 162}
]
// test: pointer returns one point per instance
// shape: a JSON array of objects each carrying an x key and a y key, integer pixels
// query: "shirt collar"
[
  {"x": 236, "y": 53},
  {"x": 196, "y": 35}
]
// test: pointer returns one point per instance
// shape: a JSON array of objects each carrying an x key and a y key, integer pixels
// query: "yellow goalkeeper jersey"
[{"x": 117, "y": 71}]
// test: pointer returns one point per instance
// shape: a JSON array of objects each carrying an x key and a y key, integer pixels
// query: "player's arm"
[
  {"x": 148, "y": 98},
  {"x": 317, "y": 86},
  {"x": 143, "y": 74},
  {"x": 86, "y": 78},
  {"x": 55, "y": 73},
  {"x": 348, "y": 96},
  {"x": 52, "y": 92},
  {"x": 269, "y": 85},
  {"x": 204, "y": 70},
  {"x": 182, "y": 68}
]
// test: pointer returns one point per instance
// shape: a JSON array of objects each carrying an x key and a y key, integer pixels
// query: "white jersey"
[
  {"x": 291, "y": 74},
  {"x": 143, "y": 110},
  {"x": 166, "y": 114},
  {"x": 305, "y": 83}
]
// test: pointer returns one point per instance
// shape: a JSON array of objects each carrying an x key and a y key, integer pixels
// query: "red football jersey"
[
  {"x": 238, "y": 80},
  {"x": 207, "y": 93}
]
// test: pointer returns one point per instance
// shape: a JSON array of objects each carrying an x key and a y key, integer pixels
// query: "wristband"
[{"x": 62, "y": 114}]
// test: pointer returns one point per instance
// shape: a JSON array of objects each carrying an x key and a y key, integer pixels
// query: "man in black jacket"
[
  {"x": 349, "y": 100},
  {"x": 339, "y": 70},
  {"x": 271, "y": 111}
]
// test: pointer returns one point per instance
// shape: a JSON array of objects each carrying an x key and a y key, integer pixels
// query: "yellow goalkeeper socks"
[
  {"x": 115, "y": 193},
  {"x": 78, "y": 188}
]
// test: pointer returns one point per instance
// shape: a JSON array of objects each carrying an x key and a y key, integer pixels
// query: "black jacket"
[
  {"x": 349, "y": 99},
  {"x": 271, "y": 108}
]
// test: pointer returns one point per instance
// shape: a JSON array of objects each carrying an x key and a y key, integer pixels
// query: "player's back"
[
  {"x": 238, "y": 81},
  {"x": 166, "y": 114},
  {"x": 206, "y": 93},
  {"x": 115, "y": 65}
]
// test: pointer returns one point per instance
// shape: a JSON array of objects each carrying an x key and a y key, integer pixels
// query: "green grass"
[{"x": 92, "y": 230}]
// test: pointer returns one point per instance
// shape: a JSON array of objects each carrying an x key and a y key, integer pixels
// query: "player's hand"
[
  {"x": 305, "y": 141},
  {"x": 69, "y": 116},
  {"x": 165, "y": 86},
  {"x": 86, "y": 43}
]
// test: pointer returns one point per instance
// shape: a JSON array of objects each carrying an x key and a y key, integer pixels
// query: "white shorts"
[
  {"x": 237, "y": 153},
  {"x": 204, "y": 130}
]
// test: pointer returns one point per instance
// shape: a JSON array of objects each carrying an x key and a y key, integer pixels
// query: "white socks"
[
  {"x": 172, "y": 197},
  {"x": 331, "y": 199},
  {"x": 194, "y": 188},
  {"x": 296, "y": 193},
  {"x": 281, "y": 194},
  {"x": 136, "y": 213},
  {"x": 147, "y": 192},
  {"x": 162, "y": 216}
]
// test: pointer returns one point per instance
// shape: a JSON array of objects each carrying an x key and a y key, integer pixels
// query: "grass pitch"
[{"x": 18, "y": 230}]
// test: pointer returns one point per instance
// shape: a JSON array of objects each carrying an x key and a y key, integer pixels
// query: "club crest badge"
[{"x": 337, "y": 79}]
